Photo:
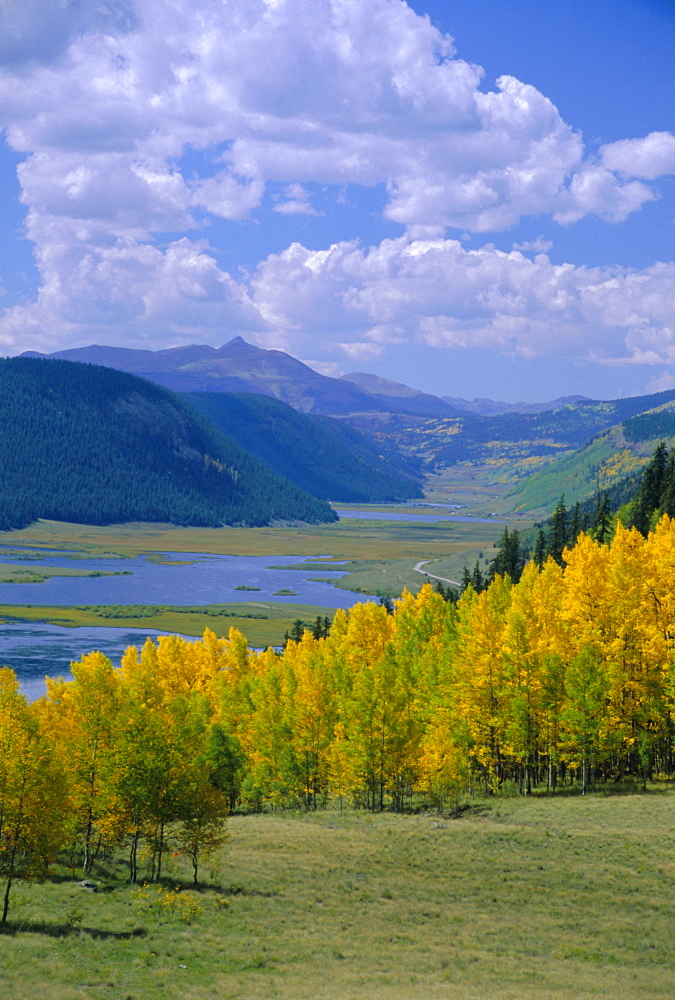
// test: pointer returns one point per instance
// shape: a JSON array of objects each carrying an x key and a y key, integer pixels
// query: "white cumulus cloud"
[
  {"x": 435, "y": 292},
  {"x": 648, "y": 158},
  {"x": 109, "y": 99}
]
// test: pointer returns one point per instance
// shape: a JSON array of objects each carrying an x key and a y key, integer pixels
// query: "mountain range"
[
  {"x": 238, "y": 366},
  {"x": 304, "y": 425}
]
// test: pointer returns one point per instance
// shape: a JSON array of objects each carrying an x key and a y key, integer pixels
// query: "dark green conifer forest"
[
  {"x": 319, "y": 454},
  {"x": 93, "y": 445}
]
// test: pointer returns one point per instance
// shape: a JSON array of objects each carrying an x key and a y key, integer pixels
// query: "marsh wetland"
[{"x": 81, "y": 587}]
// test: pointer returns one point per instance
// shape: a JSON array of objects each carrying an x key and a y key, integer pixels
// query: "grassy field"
[
  {"x": 352, "y": 539},
  {"x": 9, "y": 573},
  {"x": 518, "y": 899},
  {"x": 263, "y": 624},
  {"x": 485, "y": 490}
]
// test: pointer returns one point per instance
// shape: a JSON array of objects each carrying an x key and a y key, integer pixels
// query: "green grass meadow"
[
  {"x": 348, "y": 539},
  {"x": 263, "y": 624},
  {"x": 517, "y": 899}
]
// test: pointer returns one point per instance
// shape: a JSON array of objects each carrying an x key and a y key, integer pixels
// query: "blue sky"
[{"x": 474, "y": 198}]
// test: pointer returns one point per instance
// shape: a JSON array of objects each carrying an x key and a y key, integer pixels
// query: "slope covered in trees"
[
  {"x": 611, "y": 461},
  {"x": 93, "y": 445},
  {"x": 536, "y": 450},
  {"x": 636, "y": 501},
  {"x": 319, "y": 454}
]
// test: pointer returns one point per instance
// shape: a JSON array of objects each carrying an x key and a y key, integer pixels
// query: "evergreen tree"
[
  {"x": 667, "y": 504},
  {"x": 449, "y": 593},
  {"x": 602, "y": 522},
  {"x": 477, "y": 579},
  {"x": 297, "y": 631},
  {"x": 649, "y": 495},
  {"x": 540, "y": 549},
  {"x": 574, "y": 524},
  {"x": 321, "y": 627},
  {"x": 510, "y": 557},
  {"x": 557, "y": 539}
]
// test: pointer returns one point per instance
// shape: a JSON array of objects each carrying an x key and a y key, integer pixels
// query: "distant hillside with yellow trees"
[{"x": 563, "y": 680}]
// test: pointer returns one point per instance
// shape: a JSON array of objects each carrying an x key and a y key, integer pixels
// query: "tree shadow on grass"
[
  {"x": 221, "y": 888},
  {"x": 11, "y": 929},
  {"x": 607, "y": 790}
]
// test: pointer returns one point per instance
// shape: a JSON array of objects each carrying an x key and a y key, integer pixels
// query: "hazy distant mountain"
[
  {"x": 395, "y": 396},
  {"x": 493, "y": 407},
  {"x": 523, "y": 441},
  {"x": 240, "y": 367}
]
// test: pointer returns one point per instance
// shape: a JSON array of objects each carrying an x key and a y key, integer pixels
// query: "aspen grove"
[{"x": 564, "y": 679}]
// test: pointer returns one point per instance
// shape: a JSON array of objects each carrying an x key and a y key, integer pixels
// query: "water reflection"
[
  {"x": 379, "y": 515},
  {"x": 34, "y": 649},
  {"x": 206, "y": 579}
]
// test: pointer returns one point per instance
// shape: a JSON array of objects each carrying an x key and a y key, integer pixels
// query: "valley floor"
[{"x": 378, "y": 558}]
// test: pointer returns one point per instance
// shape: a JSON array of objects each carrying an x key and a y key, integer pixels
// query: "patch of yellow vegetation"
[{"x": 620, "y": 464}]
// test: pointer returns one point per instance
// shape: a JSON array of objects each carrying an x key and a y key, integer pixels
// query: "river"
[{"x": 34, "y": 650}]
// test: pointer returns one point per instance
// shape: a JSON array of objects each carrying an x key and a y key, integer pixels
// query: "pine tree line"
[{"x": 642, "y": 501}]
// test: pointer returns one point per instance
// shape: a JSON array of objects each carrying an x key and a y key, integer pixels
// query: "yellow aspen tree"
[
  {"x": 344, "y": 781},
  {"x": 418, "y": 620},
  {"x": 480, "y": 677},
  {"x": 659, "y": 640},
  {"x": 34, "y": 802},
  {"x": 145, "y": 754},
  {"x": 265, "y": 733},
  {"x": 185, "y": 666},
  {"x": 638, "y": 655},
  {"x": 443, "y": 762},
  {"x": 584, "y": 607},
  {"x": 195, "y": 802},
  {"x": 356, "y": 643},
  {"x": 444, "y": 766},
  {"x": 550, "y": 642},
  {"x": 83, "y": 715},
  {"x": 522, "y": 683},
  {"x": 313, "y": 715},
  {"x": 424, "y": 640},
  {"x": 534, "y": 644},
  {"x": 590, "y": 731},
  {"x": 583, "y": 714},
  {"x": 232, "y": 682},
  {"x": 201, "y": 832},
  {"x": 401, "y": 722}
]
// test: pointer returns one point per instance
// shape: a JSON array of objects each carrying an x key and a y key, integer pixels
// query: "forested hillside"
[
  {"x": 637, "y": 500},
  {"x": 94, "y": 445},
  {"x": 610, "y": 462},
  {"x": 513, "y": 437},
  {"x": 323, "y": 456}
]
